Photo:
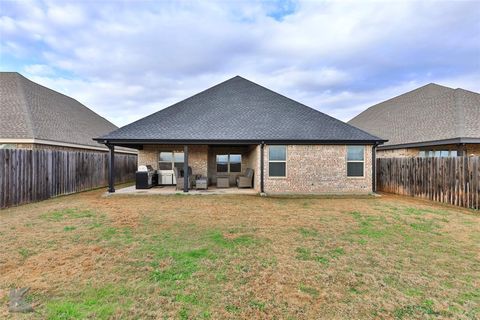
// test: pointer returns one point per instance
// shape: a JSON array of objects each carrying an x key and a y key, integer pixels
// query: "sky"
[{"x": 128, "y": 59}]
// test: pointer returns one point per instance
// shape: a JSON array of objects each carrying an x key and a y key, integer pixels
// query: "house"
[
  {"x": 238, "y": 124},
  {"x": 431, "y": 121},
  {"x": 35, "y": 117}
]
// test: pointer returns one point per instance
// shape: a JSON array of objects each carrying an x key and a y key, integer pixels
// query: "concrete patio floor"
[{"x": 169, "y": 190}]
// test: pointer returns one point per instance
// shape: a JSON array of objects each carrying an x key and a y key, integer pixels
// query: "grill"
[{"x": 145, "y": 177}]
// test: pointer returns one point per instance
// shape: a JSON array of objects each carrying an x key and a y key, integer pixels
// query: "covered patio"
[
  {"x": 172, "y": 190},
  {"x": 179, "y": 167}
]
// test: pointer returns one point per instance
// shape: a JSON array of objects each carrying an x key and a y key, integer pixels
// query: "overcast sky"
[{"x": 127, "y": 59}]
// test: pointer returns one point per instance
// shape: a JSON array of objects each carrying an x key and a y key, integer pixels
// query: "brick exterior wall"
[
  {"x": 253, "y": 161},
  {"x": 319, "y": 169},
  {"x": 310, "y": 168},
  {"x": 398, "y": 153},
  {"x": 197, "y": 156}
]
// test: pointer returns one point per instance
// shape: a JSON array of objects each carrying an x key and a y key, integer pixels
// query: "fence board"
[
  {"x": 34, "y": 175},
  {"x": 449, "y": 180}
]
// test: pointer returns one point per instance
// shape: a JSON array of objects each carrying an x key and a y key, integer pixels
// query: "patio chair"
[
  {"x": 245, "y": 181},
  {"x": 180, "y": 178}
]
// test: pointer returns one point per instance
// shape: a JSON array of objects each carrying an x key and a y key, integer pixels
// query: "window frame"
[
  {"x": 172, "y": 162},
  {"x": 228, "y": 163},
  {"x": 437, "y": 153},
  {"x": 355, "y": 161},
  {"x": 278, "y": 161}
]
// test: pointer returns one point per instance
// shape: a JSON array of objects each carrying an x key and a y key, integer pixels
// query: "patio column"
[
  {"x": 374, "y": 168},
  {"x": 262, "y": 165},
  {"x": 185, "y": 168},
  {"x": 111, "y": 169}
]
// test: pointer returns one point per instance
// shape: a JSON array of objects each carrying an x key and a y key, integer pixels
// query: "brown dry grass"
[{"x": 149, "y": 257}]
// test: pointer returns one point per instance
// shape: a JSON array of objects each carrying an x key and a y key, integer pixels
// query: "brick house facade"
[
  {"x": 290, "y": 147},
  {"x": 314, "y": 169}
]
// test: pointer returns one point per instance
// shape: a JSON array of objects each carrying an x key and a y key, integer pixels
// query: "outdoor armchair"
[{"x": 245, "y": 181}]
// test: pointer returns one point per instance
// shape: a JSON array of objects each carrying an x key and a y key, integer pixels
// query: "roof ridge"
[
  {"x": 467, "y": 91},
  {"x": 21, "y": 92},
  {"x": 66, "y": 96},
  {"x": 460, "y": 115},
  {"x": 404, "y": 94},
  {"x": 173, "y": 105},
  {"x": 310, "y": 108},
  {"x": 292, "y": 120}
]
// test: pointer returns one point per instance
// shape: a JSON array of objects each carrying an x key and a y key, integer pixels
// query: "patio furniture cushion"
[
  {"x": 223, "y": 182},
  {"x": 245, "y": 181}
]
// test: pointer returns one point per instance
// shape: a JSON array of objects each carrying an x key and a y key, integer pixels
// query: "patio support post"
[
  {"x": 262, "y": 165},
  {"x": 185, "y": 169},
  {"x": 374, "y": 168},
  {"x": 111, "y": 169}
]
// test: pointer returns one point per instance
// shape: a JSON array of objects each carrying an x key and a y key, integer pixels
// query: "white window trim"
[
  {"x": 347, "y": 161},
  {"x": 228, "y": 163},
  {"x": 173, "y": 159},
  {"x": 276, "y": 161}
]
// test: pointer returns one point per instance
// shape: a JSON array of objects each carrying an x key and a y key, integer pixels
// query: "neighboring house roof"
[
  {"x": 238, "y": 110},
  {"x": 431, "y": 114},
  {"x": 32, "y": 112}
]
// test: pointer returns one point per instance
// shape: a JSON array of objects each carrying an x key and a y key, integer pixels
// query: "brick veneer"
[
  {"x": 197, "y": 156},
  {"x": 319, "y": 169},
  {"x": 310, "y": 168},
  {"x": 398, "y": 153}
]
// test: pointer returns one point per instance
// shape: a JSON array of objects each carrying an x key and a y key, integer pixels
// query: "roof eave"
[
  {"x": 103, "y": 140},
  {"x": 460, "y": 140}
]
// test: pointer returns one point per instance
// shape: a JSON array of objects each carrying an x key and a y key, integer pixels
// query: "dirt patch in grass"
[{"x": 85, "y": 256}]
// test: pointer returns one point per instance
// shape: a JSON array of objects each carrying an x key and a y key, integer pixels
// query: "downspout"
[
  {"x": 262, "y": 165},
  {"x": 374, "y": 167}
]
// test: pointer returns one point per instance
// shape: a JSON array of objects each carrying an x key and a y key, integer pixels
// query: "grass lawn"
[{"x": 241, "y": 257}]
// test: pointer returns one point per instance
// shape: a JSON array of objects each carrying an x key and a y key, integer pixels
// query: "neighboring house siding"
[
  {"x": 398, "y": 153},
  {"x": 38, "y": 146},
  {"x": 319, "y": 169},
  {"x": 472, "y": 150}
]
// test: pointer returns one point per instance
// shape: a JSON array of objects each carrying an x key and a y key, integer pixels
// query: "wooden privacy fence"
[
  {"x": 454, "y": 180},
  {"x": 34, "y": 175}
]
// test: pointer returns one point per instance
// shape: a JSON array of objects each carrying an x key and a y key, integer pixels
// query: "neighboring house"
[
  {"x": 431, "y": 121},
  {"x": 238, "y": 124},
  {"x": 35, "y": 117}
]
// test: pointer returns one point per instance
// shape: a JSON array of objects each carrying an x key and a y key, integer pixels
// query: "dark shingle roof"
[
  {"x": 31, "y": 111},
  {"x": 239, "y": 109},
  {"x": 429, "y": 113}
]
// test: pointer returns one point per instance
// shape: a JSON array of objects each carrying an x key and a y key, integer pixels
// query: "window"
[
  {"x": 277, "y": 161},
  {"x": 168, "y": 160},
  {"x": 235, "y": 163},
  {"x": 229, "y": 163},
  {"x": 355, "y": 161},
  {"x": 437, "y": 153}
]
